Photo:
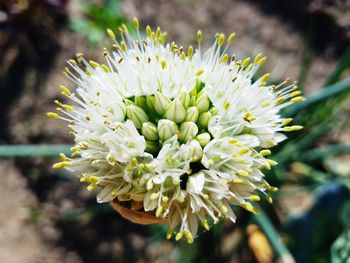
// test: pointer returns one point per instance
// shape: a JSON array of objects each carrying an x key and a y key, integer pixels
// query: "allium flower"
[{"x": 181, "y": 135}]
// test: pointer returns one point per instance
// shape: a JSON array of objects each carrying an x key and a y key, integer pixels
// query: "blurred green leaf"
[
  {"x": 324, "y": 152},
  {"x": 41, "y": 150},
  {"x": 342, "y": 65},
  {"x": 340, "y": 250}
]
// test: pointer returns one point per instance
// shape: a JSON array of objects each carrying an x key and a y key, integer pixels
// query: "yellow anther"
[
  {"x": 199, "y": 36},
  {"x": 94, "y": 64},
  {"x": 297, "y": 99},
  {"x": 293, "y": 128},
  {"x": 243, "y": 151},
  {"x": 169, "y": 234},
  {"x": 237, "y": 181},
  {"x": 249, "y": 117},
  {"x": 159, "y": 210},
  {"x": 243, "y": 173},
  {"x": 271, "y": 162},
  {"x": 246, "y": 62},
  {"x": 52, "y": 115},
  {"x": 221, "y": 39},
  {"x": 154, "y": 196},
  {"x": 249, "y": 207},
  {"x": 136, "y": 23},
  {"x": 148, "y": 31},
  {"x": 224, "y": 209},
  {"x": 188, "y": 236},
  {"x": 61, "y": 164},
  {"x": 123, "y": 46},
  {"x": 165, "y": 199},
  {"x": 205, "y": 224},
  {"x": 73, "y": 62},
  {"x": 91, "y": 187},
  {"x": 265, "y": 152},
  {"x": 179, "y": 235},
  {"x": 233, "y": 141},
  {"x": 64, "y": 90},
  {"x": 295, "y": 93},
  {"x": 287, "y": 121},
  {"x": 265, "y": 77},
  {"x": 63, "y": 157},
  {"x": 111, "y": 34},
  {"x": 279, "y": 100},
  {"x": 67, "y": 107},
  {"x": 257, "y": 58},
  {"x": 254, "y": 198},
  {"x": 231, "y": 37},
  {"x": 158, "y": 32},
  {"x": 190, "y": 52},
  {"x": 273, "y": 188},
  {"x": 226, "y": 105},
  {"x": 224, "y": 59},
  {"x": 163, "y": 64},
  {"x": 261, "y": 61},
  {"x": 269, "y": 199},
  {"x": 199, "y": 72},
  {"x": 105, "y": 68}
]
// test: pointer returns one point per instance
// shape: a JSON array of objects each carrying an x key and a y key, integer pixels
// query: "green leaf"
[
  {"x": 42, "y": 150},
  {"x": 340, "y": 250},
  {"x": 342, "y": 64}
]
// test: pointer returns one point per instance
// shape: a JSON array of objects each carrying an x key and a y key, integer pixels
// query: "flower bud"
[
  {"x": 203, "y": 138},
  {"x": 184, "y": 98},
  {"x": 175, "y": 111},
  {"x": 213, "y": 111},
  {"x": 160, "y": 103},
  {"x": 188, "y": 130},
  {"x": 194, "y": 151},
  {"x": 137, "y": 115},
  {"x": 149, "y": 131},
  {"x": 141, "y": 101},
  {"x": 152, "y": 147},
  {"x": 150, "y": 102},
  {"x": 203, "y": 120},
  {"x": 166, "y": 129},
  {"x": 202, "y": 103},
  {"x": 192, "y": 114}
]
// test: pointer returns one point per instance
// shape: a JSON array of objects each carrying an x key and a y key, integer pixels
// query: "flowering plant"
[{"x": 179, "y": 135}]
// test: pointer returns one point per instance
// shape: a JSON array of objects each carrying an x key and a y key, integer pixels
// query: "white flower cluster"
[{"x": 180, "y": 135}]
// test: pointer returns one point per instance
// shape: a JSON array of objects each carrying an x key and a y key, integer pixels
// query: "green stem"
[
  {"x": 272, "y": 235},
  {"x": 41, "y": 150}
]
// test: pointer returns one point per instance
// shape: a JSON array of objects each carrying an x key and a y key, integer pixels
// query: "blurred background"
[{"x": 48, "y": 216}]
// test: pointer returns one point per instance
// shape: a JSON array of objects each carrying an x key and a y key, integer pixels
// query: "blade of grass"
[
  {"x": 272, "y": 235},
  {"x": 325, "y": 152},
  {"x": 322, "y": 96},
  {"x": 342, "y": 64},
  {"x": 41, "y": 150}
]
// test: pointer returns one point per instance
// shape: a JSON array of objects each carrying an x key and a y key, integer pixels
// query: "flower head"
[{"x": 181, "y": 134}]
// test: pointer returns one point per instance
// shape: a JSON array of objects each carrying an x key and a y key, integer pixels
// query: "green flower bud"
[
  {"x": 149, "y": 131},
  {"x": 203, "y": 120},
  {"x": 213, "y": 111},
  {"x": 152, "y": 147},
  {"x": 150, "y": 102},
  {"x": 175, "y": 111},
  {"x": 192, "y": 114},
  {"x": 141, "y": 101},
  {"x": 194, "y": 152},
  {"x": 188, "y": 130},
  {"x": 128, "y": 102},
  {"x": 202, "y": 103},
  {"x": 160, "y": 103},
  {"x": 193, "y": 92},
  {"x": 137, "y": 115},
  {"x": 184, "y": 98},
  {"x": 166, "y": 129},
  {"x": 203, "y": 138}
]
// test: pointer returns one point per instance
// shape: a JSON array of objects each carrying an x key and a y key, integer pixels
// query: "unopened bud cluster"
[{"x": 179, "y": 134}]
